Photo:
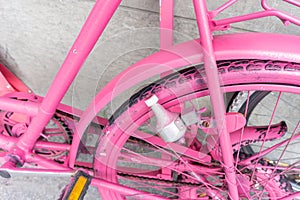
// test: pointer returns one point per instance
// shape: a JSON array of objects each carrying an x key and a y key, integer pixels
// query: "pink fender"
[{"x": 233, "y": 46}]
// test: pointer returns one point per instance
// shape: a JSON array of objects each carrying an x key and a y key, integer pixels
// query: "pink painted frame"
[{"x": 205, "y": 50}]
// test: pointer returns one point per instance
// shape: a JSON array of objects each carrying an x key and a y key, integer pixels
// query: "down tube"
[{"x": 226, "y": 47}]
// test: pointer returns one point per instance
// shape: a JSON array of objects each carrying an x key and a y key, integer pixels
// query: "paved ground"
[{"x": 37, "y": 188}]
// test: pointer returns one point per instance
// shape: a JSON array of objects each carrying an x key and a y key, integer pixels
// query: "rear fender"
[{"x": 226, "y": 47}]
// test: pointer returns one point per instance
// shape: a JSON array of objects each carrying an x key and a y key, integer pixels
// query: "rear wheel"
[{"x": 130, "y": 152}]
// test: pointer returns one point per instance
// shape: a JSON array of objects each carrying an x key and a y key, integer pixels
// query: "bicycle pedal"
[{"x": 77, "y": 187}]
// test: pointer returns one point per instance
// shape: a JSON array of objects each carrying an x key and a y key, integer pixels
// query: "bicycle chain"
[
  {"x": 159, "y": 180},
  {"x": 143, "y": 178}
]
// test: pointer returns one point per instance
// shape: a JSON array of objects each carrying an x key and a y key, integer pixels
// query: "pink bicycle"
[{"x": 161, "y": 143}]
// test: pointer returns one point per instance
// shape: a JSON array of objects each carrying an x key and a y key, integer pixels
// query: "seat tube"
[
  {"x": 166, "y": 22},
  {"x": 94, "y": 26},
  {"x": 216, "y": 95}
]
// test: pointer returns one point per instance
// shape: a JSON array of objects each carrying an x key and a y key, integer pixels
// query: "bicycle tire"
[{"x": 236, "y": 75}]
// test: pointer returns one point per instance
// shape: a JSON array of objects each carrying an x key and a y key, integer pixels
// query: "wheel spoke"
[
  {"x": 144, "y": 185},
  {"x": 170, "y": 165},
  {"x": 269, "y": 126},
  {"x": 269, "y": 150},
  {"x": 243, "y": 129},
  {"x": 129, "y": 155},
  {"x": 176, "y": 148}
]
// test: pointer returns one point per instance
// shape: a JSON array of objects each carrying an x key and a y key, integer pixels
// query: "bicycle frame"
[{"x": 205, "y": 49}]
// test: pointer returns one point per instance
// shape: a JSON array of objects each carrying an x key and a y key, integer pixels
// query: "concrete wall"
[{"x": 36, "y": 34}]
